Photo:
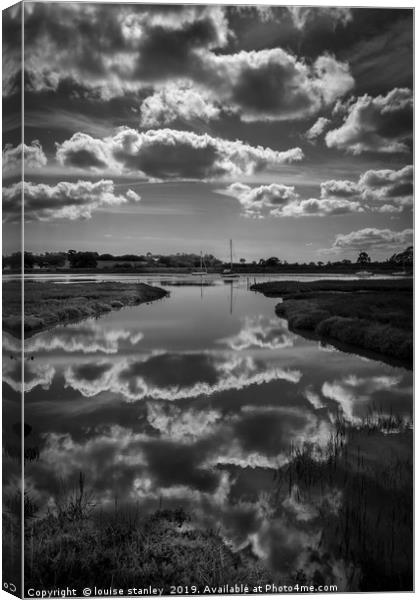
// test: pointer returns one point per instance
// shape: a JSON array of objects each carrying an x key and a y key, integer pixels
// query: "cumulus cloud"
[
  {"x": 382, "y": 124},
  {"x": 339, "y": 188},
  {"x": 115, "y": 50},
  {"x": 278, "y": 200},
  {"x": 33, "y": 156},
  {"x": 264, "y": 85},
  {"x": 273, "y": 85},
  {"x": 12, "y": 50},
  {"x": 383, "y": 191},
  {"x": 64, "y": 200},
  {"x": 318, "y": 208},
  {"x": 175, "y": 101},
  {"x": 255, "y": 200},
  {"x": 119, "y": 48},
  {"x": 170, "y": 154},
  {"x": 303, "y": 15},
  {"x": 317, "y": 128},
  {"x": 387, "y": 187},
  {"x": 372, "y": 238}
]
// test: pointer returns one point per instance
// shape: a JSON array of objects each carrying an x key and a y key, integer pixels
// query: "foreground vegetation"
[
  {"x": 357, "y": 503},
  {"x": 375, "y": 316},
  {"x": 76, "y": 547},
  {"x": 370, "y": 466},
  {"x": 48, "y": 304}
]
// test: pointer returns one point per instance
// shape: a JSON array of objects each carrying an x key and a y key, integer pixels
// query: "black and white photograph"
[{"x": 207, "y": 299}]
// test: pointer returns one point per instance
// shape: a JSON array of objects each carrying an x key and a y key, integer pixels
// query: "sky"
[{"x": 165, "y": 128}]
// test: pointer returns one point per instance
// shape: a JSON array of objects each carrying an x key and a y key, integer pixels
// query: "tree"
[
  {"x": 28, "y": 260},
  {"x": 273, "y": 261},
  {"x": 242, "y": 261},
  {"x": 363, "y": 258},
  {"x": 405, "y": 258},
  {"x": 82, "y": 260}
]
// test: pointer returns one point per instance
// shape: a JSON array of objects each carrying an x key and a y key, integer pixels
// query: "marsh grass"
[
  {"x": 48, "y": 304},
  {"x": 281, "y": 288},
  {"x": 381, "y": 323},
  {"x": 372, "y": 527},
  {"x": 77, "y": 545},
  {"x": 373, "y": 315}
]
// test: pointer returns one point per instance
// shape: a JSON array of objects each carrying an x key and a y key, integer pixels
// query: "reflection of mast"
[{"x": 231, "y": 295}]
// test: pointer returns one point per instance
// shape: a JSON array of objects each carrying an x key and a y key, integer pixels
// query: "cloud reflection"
[
  {"x": 261, "y": 332},
  {"x": 144, "y": 377}
]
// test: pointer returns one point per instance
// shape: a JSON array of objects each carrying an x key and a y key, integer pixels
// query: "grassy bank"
[
  {"x": 48, "y": 304},
  {"x": 164, "y": 549},
  {"x": 276, "y": 289},
  {"x": 376, "y": 316}
]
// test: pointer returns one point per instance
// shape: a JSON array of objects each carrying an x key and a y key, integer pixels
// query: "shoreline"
[
  {"x": 59, "y": 303},
  {"x": 367, "y": 316},
  {"x": 240, "y": 269}
]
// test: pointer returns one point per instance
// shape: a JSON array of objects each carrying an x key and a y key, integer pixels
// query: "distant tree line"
[
  {"x": 89, "y": 260},
  {"x": 75, "y": 259}
]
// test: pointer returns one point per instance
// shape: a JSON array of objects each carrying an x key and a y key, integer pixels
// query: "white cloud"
[
  {"x": 64, "y": 200},
  {"x": 279, "y": 200},
  {"x": 127, "y": 50},
  {"x": 273, "y": 85},
  {"x": 318, "y": 208},
  {"x": 170, "y": 154},
  {"x": 382, "y": 124},
  {"x": 387, "y": 187},
  {"x": 303, "y": 15},
  {"x": 180, "y": 101},
  {"x": 371, "y": 238},
  {"x": 317, "y": 128},
  {"x": 33, "y": 156},
  {"x": 255, "y": 200},
  {"x": 385, "y": 190}
]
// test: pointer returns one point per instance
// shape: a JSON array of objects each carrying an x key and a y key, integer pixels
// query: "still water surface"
[{"x": 203, "y": 400}]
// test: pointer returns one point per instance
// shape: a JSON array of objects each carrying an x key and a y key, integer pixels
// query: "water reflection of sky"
[{"x": 196, "y": 400}]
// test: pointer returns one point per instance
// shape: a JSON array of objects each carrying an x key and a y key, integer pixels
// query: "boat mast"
[{"x": 231, "y": 256}]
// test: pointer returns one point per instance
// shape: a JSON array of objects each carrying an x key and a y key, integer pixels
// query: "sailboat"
[
  {"x": 229, "y": 273},
  {"x": 203, "y": 268}
]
